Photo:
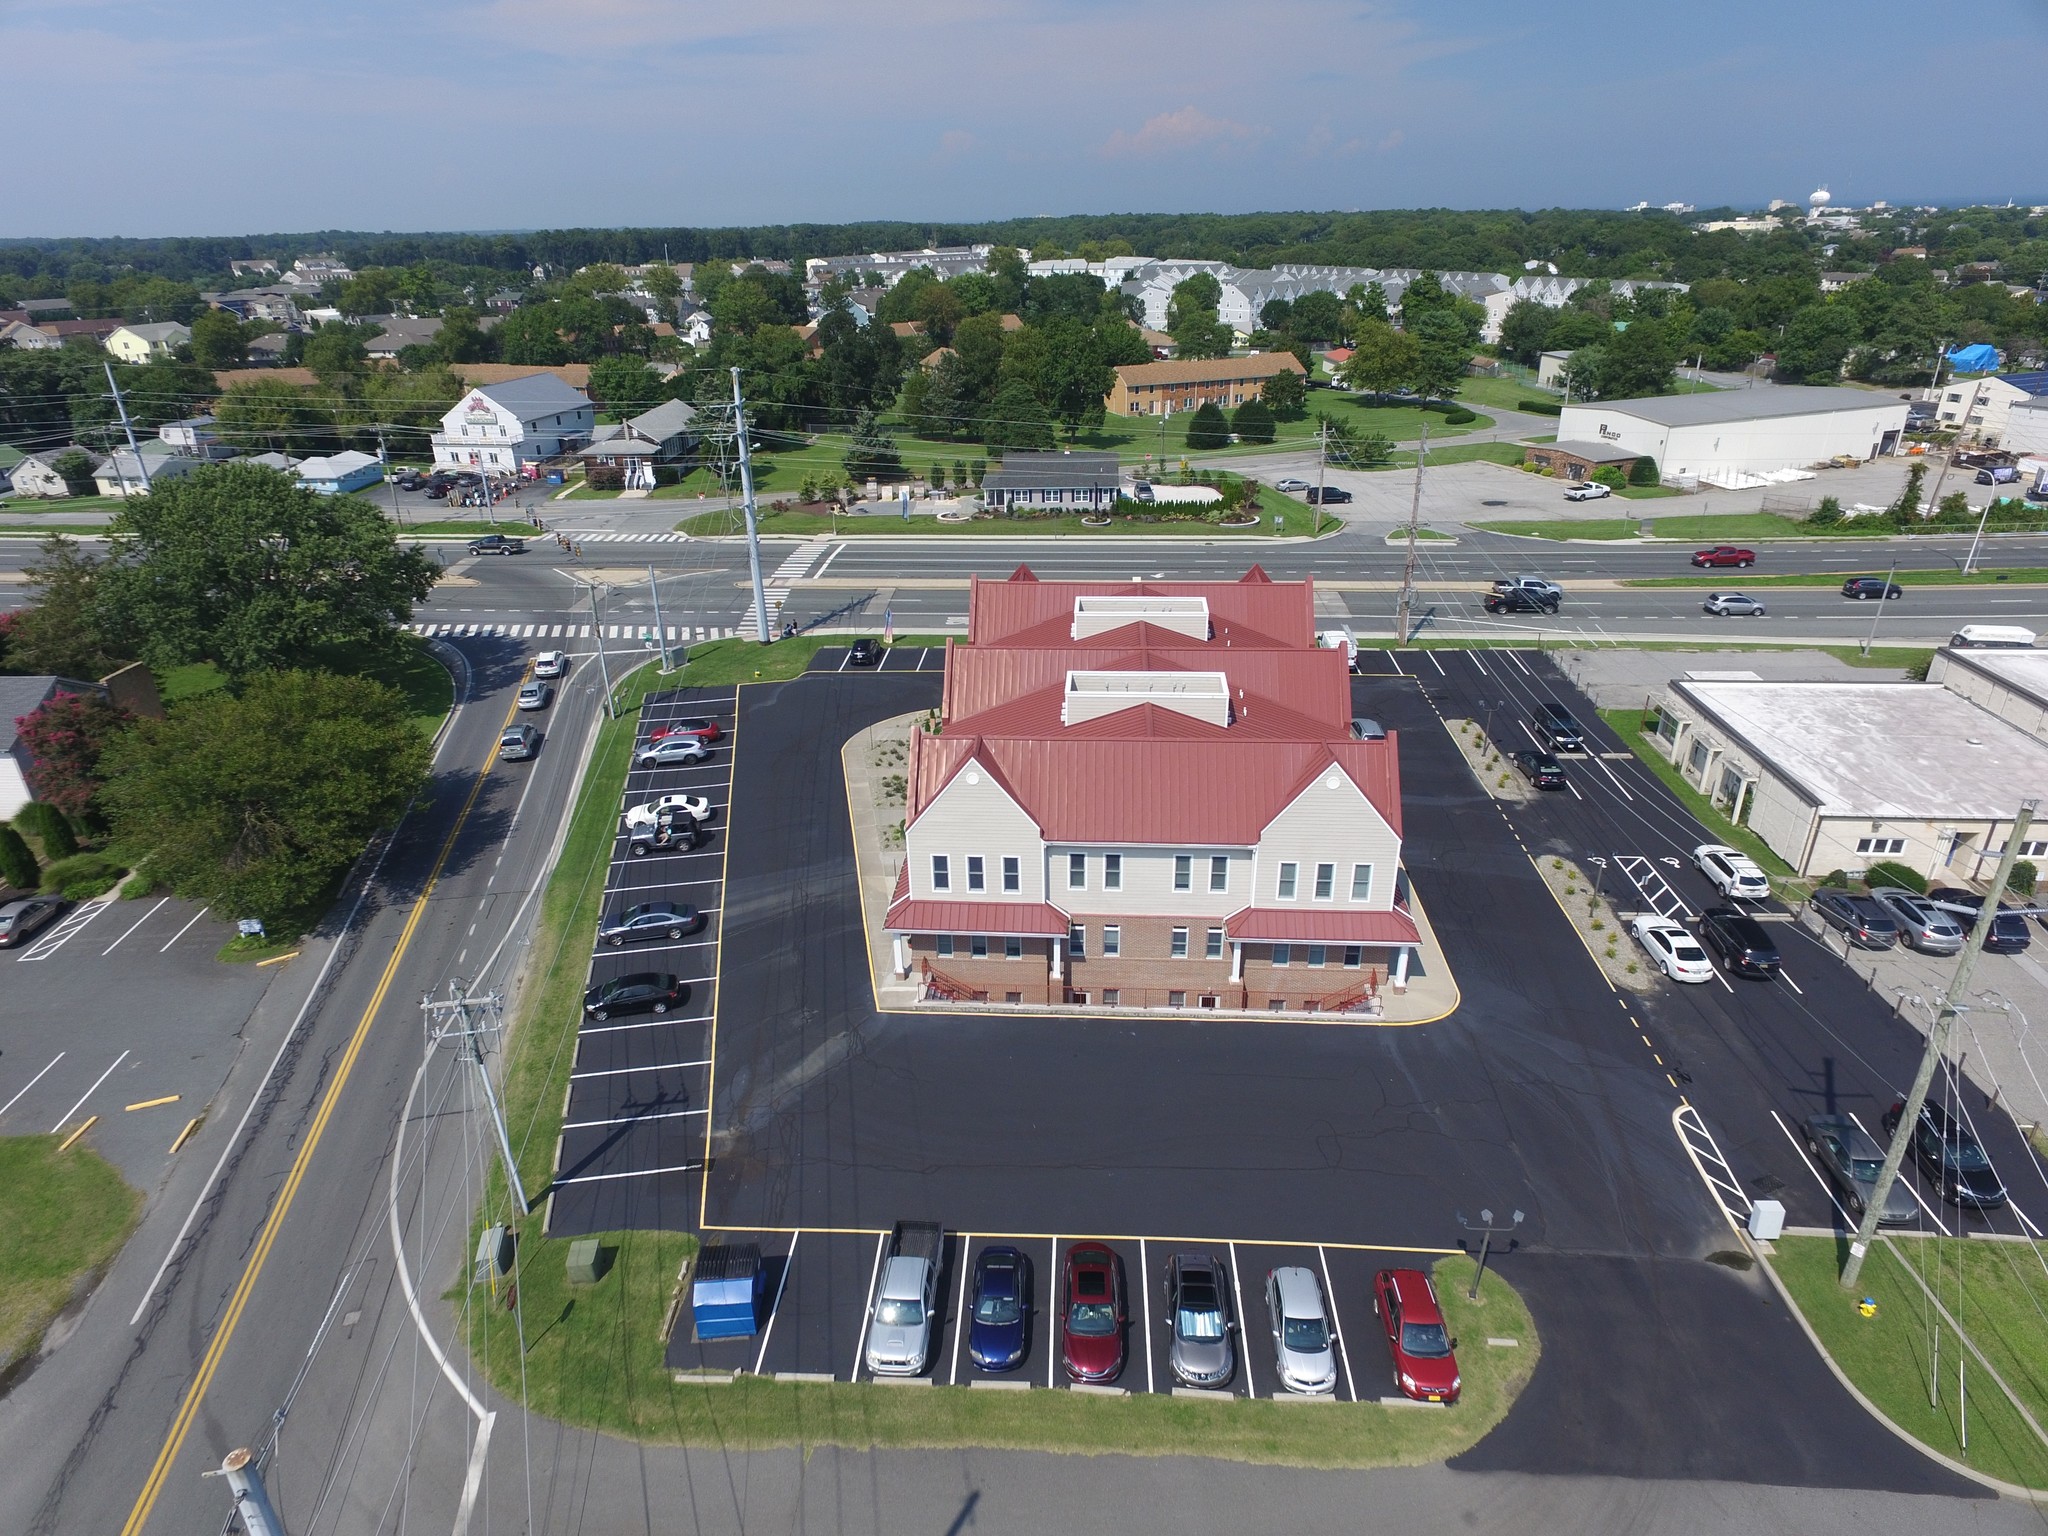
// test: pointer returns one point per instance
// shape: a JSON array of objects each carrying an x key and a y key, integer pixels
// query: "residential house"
[
  {"x": 1146, "y": 795},
  {"x": 256, "y": 266},
  {"x": 1033, "y": 480},
  {"x": 42, "y": 311},
  {"x": 396, "y": 333},
  {"x": 504, "y": 301},
  {"x": 340, "y": 474},
  {"x": 1978, "y": 408},
  {"x": 1835, "y": 282},
  {"x": 36, "y": 473},
  {"x": 277, "y": 304},
  {"x": 889, "y": 267},
  {"x": 1550, "y": 369},
  {"x": 695, "y": 327},
  {"x": 503, "y": 427},
  {"x": 665, "y": 436},
  {"x": 47, "y": 335},
  {"x": 21, "y": 696},
  {"x": 316, "y": 272},
  {"x": 1186, "y": 384},
  {"x": 140, "y": 343},
  {"x": 268, "y": 351},
  {"x": 194, "y": 438},
  {"x": 124, "y": 472}
]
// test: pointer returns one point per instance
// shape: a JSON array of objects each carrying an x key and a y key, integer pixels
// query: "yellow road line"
[
  {"x": 181, "y": 1425},
  {"x": 169, "y": 1098}
]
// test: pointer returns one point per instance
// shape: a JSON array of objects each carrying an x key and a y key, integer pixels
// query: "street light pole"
[
  {"x": 1414, "y": 519},
  {"x": 1937, "y": 1043},
  {"x": 739, "y": 419},
  {"x": 1882, "y": 598},
  {"x": 1486, "y": 1230}
]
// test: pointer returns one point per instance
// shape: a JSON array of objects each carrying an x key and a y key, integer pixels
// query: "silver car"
[
  {"x": 1923, "y": 925},
  {"x": 1301, "y": 1331},
  {"x": 1852, "y": 1159},
  {"x": 1198, "y": 1313}
]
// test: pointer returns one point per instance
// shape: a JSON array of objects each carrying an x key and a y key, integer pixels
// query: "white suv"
[
  {"x": 550, "y": 663},
  {"x": 1732, "y": 873}
]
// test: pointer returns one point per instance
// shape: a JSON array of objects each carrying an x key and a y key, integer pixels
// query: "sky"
[{"x": 142, "y": 117}]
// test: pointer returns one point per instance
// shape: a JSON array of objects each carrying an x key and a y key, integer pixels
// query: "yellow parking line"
[
  {"x": 89, "y": 1123},
  {"x": 169, "y": 1098},
  {"x": 186, "y": 1134}
]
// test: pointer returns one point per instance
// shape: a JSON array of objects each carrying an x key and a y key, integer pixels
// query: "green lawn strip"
[
  {"x": 1459, "y": 453},
  {"x": 1648, "y": 492},
  {"x": 30, "y": 505},
  {"x": 63, "y": 1215},
  {"x": 1888, "y": 1356},
  {"x": 517, "y": 527},
  {"x": 2025, "y": 575},
  {"x": 1484, "y": 391},
  {"x": 1628, "y": 725}
]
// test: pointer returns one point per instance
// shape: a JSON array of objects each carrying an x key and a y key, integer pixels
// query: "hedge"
[
  {"x": 1540, "y": 407},
  {"x": 1884, "y": 872},
  {"x": 47, "y": 824}
]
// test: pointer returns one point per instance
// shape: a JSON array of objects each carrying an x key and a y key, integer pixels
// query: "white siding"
[
  {"x": 973, "y": 815},
  {"x": 1147, "y": 889},
  {"x": 13, "y": 789},
  {"x": 1328, "y": 825}
]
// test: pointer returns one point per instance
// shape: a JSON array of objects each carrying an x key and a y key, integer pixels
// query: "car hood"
[
  {"x": 1204, "y": 1358},
  {"x": 1432, "y": 1375},
  {"x": 996, "y": 1341},
  {"x": 1314, "y": 1371},
  {"x": 1981, "y": 1183},
  {"x": 895, "y": 1344},
  {"x": 1899, "y": 1204},
  {"x": 1092, "y": 1355}
]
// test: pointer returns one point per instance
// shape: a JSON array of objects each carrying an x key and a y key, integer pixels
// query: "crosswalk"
[
  {"x": 572, "y": 631},
  {"x": 795, "y": 566},
  {"x": 624, "y": 538}
]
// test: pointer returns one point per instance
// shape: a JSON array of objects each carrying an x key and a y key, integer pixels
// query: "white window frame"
[
  {"x": 1884, "y": 847},
  {"x": 942, "y": 872},
  {"x": 1288, "y": 881},
  {"x": 1183, "y": 872},
  {"x": 1077, "y": 871},
  {"x": 942, "y": 946},
  {"x": 1283, "y": 956},
  {"x": 1112, "y": 940},
  {"x": 1361, "y": 882},
  {"x": 1077, "y": 941},
  {"x": 1112, "y": 871},
  {"x": 1325, "y": 888},
  {"x": 1013, "y": 873},
  {"x": 1212, "y": 945},
  {"x": 977, "y": 872},
  {"x": 1177, "y": 944},
  {"x": 1219, "y": 872}
]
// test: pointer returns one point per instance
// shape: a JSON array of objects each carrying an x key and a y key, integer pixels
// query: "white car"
[
  {"x": 697, "y": 807},
  {"x": 1671, "y": 949},
  {"x": 1586, "y": 490},
  {"x": 1732, "y": 873},
  {"x": 551, "y": 664},
  {"x": 1291, "y": 484}
]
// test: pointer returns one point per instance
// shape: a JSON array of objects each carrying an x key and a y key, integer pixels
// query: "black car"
[
  {"x": 1950, "y": 1156},
  {"x": 674, "y": 831},
  {"x": 436, "y": 490},
  {"x": 650, "y": 920},
  {"x": 999, "y": 1330},
  {"x": 412, "y": 482},
  {"x": 22, "y": 920},
  {"x": 1869, "y": 586},
  {"x": 640, "y": 992},
  {"x": 2008, "y": 935},
  {"x": 865, "y": 653},
  {"x": 1541, "y": 769},
  {"x": 1327, "y": 496},
  {"x": 497, "y": 544},
  {"x": 1515, "y": 600},
  {"x": 1743, "y": 944},
  {"x": 1555, "y": 725},
  {"x": 1862, "y": 918}
]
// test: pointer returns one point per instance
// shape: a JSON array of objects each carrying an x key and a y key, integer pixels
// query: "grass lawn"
[
  {"x": 2021, "y": 575},
  {"x": 1295, "y": 521},
  {"x": 427, "y": 687},
  {"x": 1628, "y": 725},
  {"x": 34, "y": 504},
  {"x": 62, "y": 1216},
  {"x": 1482, "y": 391},
  {"x": 518, "y": 527},
  {"x": 1648, "y": 492},
  {"x": 1997, "y": 1291}
]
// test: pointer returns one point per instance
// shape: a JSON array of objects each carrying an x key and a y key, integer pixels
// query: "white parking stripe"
[
  {"x": 775, "y": 1306},
  {"x": 1343, "y": 1338},
  {"x": 665, "y": 1066},
  {"x": 74, "y": 1109},
  {"x": 631, "y": 1173},
  {"x": 1237, "y": 1285},
  {"x": 617, "y": 1029},
  {"x": 184, "y": 930},
  {"x": 133, "y": 926},
  {"x": 860, "y": 1344},
  {"x": 24, "y": 1088},
  {"x": 1052, "y": 1279},
  {"x": 666, "y": 1114},
  {"x": 1818, "y": 1177},
  {"x": 1145, "y": 1305},
  {"x": 67, "y": 930},
  {"x": 959, "y": 1312}
]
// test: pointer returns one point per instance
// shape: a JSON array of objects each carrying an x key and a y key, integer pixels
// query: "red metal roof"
[
  {"x": 1284, "y": 610},
  {"x": 1322, "y": 925},
  {"x": 1028, "y": 919},
  {"x": 1311, "y": 683}
]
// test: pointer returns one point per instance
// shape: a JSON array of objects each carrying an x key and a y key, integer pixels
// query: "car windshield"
[
  {"x": 1304, "y": 1335},
  {"x": 1204, "y": 1323},
  {"x": 1092, "y": 1319},
  {"x": 1865, "y": 1169},
  {"x": 900, "y": 1314},
  {"x": 997, "y": 1309},
  {"x": 1425, "y": 1340}
]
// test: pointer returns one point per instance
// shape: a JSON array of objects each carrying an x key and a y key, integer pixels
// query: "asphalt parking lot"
[
  {"x": 120, "y": 1004},
  {"x": 894, "y": 658},
  {"x": 632, "y": 1147}
]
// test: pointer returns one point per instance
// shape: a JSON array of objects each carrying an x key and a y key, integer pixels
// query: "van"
[
  {"x": 1341, "y": 640},
  {"x": 1992, "y": 637}
]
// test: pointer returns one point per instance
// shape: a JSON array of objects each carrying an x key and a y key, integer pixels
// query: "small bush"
[
  {"x": 47, "y": 824},
  {"x": 2023, "y": 877},
  {"x": 1885, "y": 872},
  {"x": 1540, "y": 407},
  {"x": 18, "y": 867},
  {"x": 1610, "y": 475},
  {"x": 1644, "y": 472},
  {"x": 1917, "y": 669},
  {"x": 1826, "y": 515},
  {"x": 604, "y": 477},
  {"x": 137, "y": 886},
  {"x": 1836, "y": 879},
  {"x": 1459, "y": 417},
  {"x": 83, "y": 876}
]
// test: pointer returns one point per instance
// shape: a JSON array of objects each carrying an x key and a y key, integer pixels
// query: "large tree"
[
  {"x": 1525, "y": 331},
  {"x": 257, "y": 800},
  {"x": 1286, "y": 394},
  {"x": 1191, "y": 317},
  {"x": 1382, "y": 359},
  {"x": 241, "y": 566},
  {"x": 872, "y": 454},
  {"x": 59, "y": 633},
  {"x": 218, "y": 340},
  {"x": 66, "y": 736},
  {"x": 1443, "y": 349},
  {"x": 273, "y": 416},
  {"x": 1015, "y": 418}
]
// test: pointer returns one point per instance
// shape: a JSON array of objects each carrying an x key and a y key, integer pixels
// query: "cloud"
[
  {"x": 954, "y": 143},
  {"x": 1172, "y": 133}
]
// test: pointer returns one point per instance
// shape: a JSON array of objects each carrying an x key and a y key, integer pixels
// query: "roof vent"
[
  {"x": 1098, "y": 614},
  {"x": 1198, "y": 695}
]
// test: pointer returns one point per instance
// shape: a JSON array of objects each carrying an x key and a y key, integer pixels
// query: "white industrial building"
[
  {"x": 1981, "y": 409},
  {"x": 1720, "y": 435},
  {"x": 502, "y": 427}
]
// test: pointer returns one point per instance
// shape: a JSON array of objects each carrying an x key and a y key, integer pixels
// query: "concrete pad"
[
  {"x": 1087, "y": 1386},
  {"x": 1205, "y": 1394},
  {"x": 902, "y": 1381},
  {"x": 805, "y": 1376},
  {"x": 1000, "y": 1386}
]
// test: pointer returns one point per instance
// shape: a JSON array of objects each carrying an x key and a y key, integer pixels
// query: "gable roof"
[
  {"x": 532, "y": 395},
  {"x": 1255, "y": 609},
  {"x": 1033, "y": 469},
  {"x": 664, "y": 421},
  {"x": 1196, "y": 370},
  {"x": 161, "y": 330}
]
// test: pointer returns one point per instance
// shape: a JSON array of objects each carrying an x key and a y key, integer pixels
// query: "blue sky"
[{"x": 146, "y": 118}]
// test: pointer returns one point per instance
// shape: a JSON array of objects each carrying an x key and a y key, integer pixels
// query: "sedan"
[
  {"x": 1198, "y": 1315},
  {"x": 677, "y": 749},
  {"x": 650, "y": 920},
  {"x": 497, "y": 544},
  {"x": 697, "y": 807},
  {"x": 1092, "y": 1314},
  {"x": 999, "y": 1331},
  {"x": 640, "y": 992},
  {"x": 1424, "y": 1366},
  {"x": 22, "y": 920},
  {"x": 1861, "y": 587},
  {"x": 1921, "y": 924},
  {"x": 1302, "y": 1349},
  {"x": 1671, "y": 948},
  {"x": 699, "y": 726},
  {"x": 1540, "y": 769},
  {"x": 1725, "y": 554},
  {"x": 2009, "y": 934},
  {"x": 866, "y": 652},
  {"x": 1852, "y": 1160},
  {"x": 1733, "y": 605},
  {"x": 1587, "y": 490},
  {"x": 551, "y": 664},
  {"x": 1950, "y": 1156},
  {"x": 1291, "y": 485},
  {"x": 1864, "y": 919},
  {"x": 535, "y": 695}
]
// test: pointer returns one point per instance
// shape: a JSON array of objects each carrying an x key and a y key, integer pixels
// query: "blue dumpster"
[{"x": 725, "y": 1294}]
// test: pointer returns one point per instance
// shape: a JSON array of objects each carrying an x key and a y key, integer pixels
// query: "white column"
[
  {"x": 1401, "y": 968},
  {"x": 1237, "y": 959},
  {"x": 1058, "y": 954},
  {"x": 902, "y": 954}
]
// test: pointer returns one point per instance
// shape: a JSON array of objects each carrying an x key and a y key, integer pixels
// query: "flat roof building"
[{"x": 1731, "y": 437}]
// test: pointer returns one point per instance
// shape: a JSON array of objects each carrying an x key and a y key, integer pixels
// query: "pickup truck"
[{"x": 906, "y": 1295}]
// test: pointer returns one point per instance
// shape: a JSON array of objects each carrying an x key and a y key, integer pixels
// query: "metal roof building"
[{"x": 1731, "y": 436}]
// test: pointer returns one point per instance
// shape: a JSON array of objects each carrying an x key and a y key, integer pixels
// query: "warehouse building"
[{"x": 1736, "y": 434}]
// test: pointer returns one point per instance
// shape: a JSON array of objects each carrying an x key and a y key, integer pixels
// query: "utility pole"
[
  {"x": 384, "y": 462},
  {"x": 1882, "y": 598},
  {"x": 660, "y": 634},
  {"x": 603, "y": 666},
  {"x": 1322, "y": 463},
  {"x": 1414, "y": 521},
  {"x": 739, "y": 421},
  {"x": 1937, "y": 1043},
  {"x": 127, "y": 426},
  {"x": 252, "y": 1500},
  {"x": 467, "y": 1020}
]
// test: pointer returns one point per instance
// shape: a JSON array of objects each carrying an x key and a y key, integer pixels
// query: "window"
[
  {"x": 1354, "y": 956},
  {"x": 1287, "y": 877},
  {"x": 1077, "y": 871},
  {"x": 1013, "y": 948},
  {"x": 1077, "y": 941},
  {"x": 975, "y": 879},
  {"x": 1112, "y": 871},
  {"x": 942, "y": 872},
  {"x": 1212, "y": 947},
  {"x": 1112, "y": 941},
  {"x": 1176, "y": 999},
  {"x": 978, "y": 946},
  {"x": 1880, "y": 845},
  {"x": 1283, "y": 955},
  {"x": 943, "y": 945},
  {"x": 1183, "y": 872},
  {"x": 1013, "y": 875},
  {"x": 1277, "y": 1004},
  {"x": 1111, "y": 996},
  {"x": 2033, "y": 850},
  {"x": 1361, "y": 882},
  {"x": 1179, "y": 950},
  {"x": 1696, "y": 760},
  {"x": 1219, "y": 872},
  {"x": 1317, "y": 954},
  {"x": 1326, "y": 881}
]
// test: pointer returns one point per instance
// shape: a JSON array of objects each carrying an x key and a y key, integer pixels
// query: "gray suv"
[
  {"x": 1922, "y": 924},
  {"x": 1198, "y": 1313},
  {"x": 518, "y": 744}
]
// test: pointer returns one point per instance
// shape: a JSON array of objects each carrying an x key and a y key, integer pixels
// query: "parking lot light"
[{"x": 1486, "y": 1230}]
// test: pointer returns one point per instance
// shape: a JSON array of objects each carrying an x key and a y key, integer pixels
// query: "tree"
[
  {"x": 66, "y": 736},
  {"x": 625, "y": 385},
  {"x": 336, "y": 354},
  {"x": 1525, "y": 331},
  {"x": 43, "y": 821},
  {"x": 1443, "y": 350},
  {"x": 59, "y": 633},
  {"x": 1253, "y": 422},
  {"x": 1643, "y": 472},
  {"x": 1073, "y": 377},
  {"x": 1207, "y": 428},
  {"x": 1015, "y": 419},
  {"x": 1317, "y": 316},
  {"x": 74, "y": 467},
  {"x": 665, "y": 285},
  {"x": 18, "y": 867},
  {"x": 1382, "y": 359},
  {"x": 872, "y": 455},
  {"x": 257, "y": 801},
  {"x": 1815, "y": 345},
  {"x": 1273, "y": 314},
  {"x": 461, "y": 339},
  {"x": 1366, "y": 302},
  {"x": 241, "y": 566},
  {"x": 272, "y": 416},
  {"x": 1191, "y": 317},
  {"x": 532, "y": 336},
  {"x": 1286, "y": 395},
  {"x": 1906, "y": 510},
  {"x": 218, "y": 340}
]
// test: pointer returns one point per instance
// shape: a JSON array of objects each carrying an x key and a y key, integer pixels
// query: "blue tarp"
[{"x": 1981, "y": 358}]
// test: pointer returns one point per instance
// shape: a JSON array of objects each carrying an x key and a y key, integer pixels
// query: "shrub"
[
  {"x": 137, "y": 886},
  {"x": 1610, "y": 475},
  {"x": 1540, "y": 407},
  {"x": 1827, "y": 514},
  {"x": 1836, "y": 879},
  {"x": 47, "y": 825},
  {"x": 1459, "y": 416},
  {"x": 1254, "y": 422},
  {"x": 1207, "y": 428},
  {"x": 1917, "y": 668},
  {"x": 1885, "y": 872},
  {"x": 2021, "y": 881},
  {"x": 17, "y": 865},
  {"x": 84, "y": 876},
  {"x": 604, "y": 477},
  {"x": 1644, "y": 472}
]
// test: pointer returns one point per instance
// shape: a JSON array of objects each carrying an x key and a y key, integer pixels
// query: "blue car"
[{"x": 1000, "y": 1334}]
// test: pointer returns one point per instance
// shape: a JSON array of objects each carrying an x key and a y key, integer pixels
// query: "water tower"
[{"x": 1816, "y": 200}]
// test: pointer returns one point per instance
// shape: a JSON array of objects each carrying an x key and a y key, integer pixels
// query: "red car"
[
  {"x": 1424, "y": 1367},
  {"x": 1725, "y": 554},
  {"x": 701, "y": 728},
  {"x": 1092, "y": 1314}
]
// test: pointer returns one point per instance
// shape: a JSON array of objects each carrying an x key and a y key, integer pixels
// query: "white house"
[
  {"x": 195, "y": 437},
  {"x": 502, "y": 427},
  {"x": 1728, "y": 433},
  {"x": 122, "y": 473},
  {"x": 140, "y": 343},
  {"x": 36, "y": 474},
  {"x": 24, "y": 696},
  {"x": 695, "y": 327},
  {"x": 1981, "y": 408},
  {"x": 341, "y": 473}
]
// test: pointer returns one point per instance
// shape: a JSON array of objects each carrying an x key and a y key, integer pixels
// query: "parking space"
[
  {"x": 894, "y": 658},
  {"x": 632, "y": 1145}
]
